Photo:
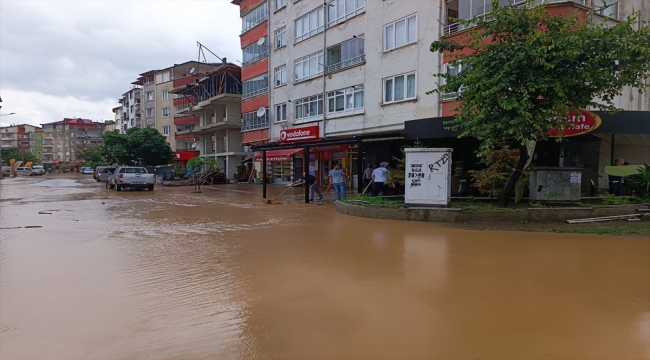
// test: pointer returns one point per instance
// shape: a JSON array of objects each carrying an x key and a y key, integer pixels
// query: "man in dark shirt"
[
  {"x": 313, "y": 186},
  {"x": 617, "y": 183}
]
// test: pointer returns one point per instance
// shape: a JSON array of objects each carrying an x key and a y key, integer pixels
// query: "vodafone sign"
[
  {"x": 578, "y": 124},
  {"x": 299, "y": 134}
]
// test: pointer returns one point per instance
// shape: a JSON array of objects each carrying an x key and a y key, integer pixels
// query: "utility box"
[
  {"x": 555, "y": 183},
  {"x": 427, "y": 177}
]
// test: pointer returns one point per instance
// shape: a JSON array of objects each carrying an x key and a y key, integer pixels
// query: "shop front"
[
  {"x": 181, "y": 157},
  {"x": 324, "y": 160},
  {"x": 280, "y": 164}
]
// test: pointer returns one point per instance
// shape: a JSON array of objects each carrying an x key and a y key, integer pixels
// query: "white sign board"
[
  {"x": 428, "y": 176},
  {"x": 576, "y": 178}
]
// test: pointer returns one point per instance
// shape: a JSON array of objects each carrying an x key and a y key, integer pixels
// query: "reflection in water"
[{"x": 173, "y": 275}]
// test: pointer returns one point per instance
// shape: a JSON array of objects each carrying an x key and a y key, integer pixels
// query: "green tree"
[
  {"x": 115, "y": 148},
  {"x": 93, "y": 156},
  {"x": 524, "y": 71},
  {"x": 18, "y": 155},
  {"x": 148, "y": 147}
]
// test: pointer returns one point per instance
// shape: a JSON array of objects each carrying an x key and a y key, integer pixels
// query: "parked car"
[
  {"x": 27, "y": 171},
  {"x": 88, "y": 171},
  {"x": 6, "y": 170},
  {"x": 133, "y": 177},
  {"x": 103, "y": 172},
  {"x": 39, "y": 168}
]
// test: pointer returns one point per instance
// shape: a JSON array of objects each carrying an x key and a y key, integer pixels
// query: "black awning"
[{"x": 624, "y": 122}]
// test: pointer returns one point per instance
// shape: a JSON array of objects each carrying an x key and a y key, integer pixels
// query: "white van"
[{"x": 27, "y": 171}]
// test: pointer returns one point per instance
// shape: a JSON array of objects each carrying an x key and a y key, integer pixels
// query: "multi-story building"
[
  {"x": 148, "y": 100},
  {"x": 109, "y": 125},
  {"x": 208, "y": 121},
  {"x": 131, "y": 102},
  {"x": 26, "y": 138},
  {"x": 63, "y": 139},
  {"x": 165, "y": 110},
  {"x": 118, "y": 117},
  {"x": 355, "y": 68}
]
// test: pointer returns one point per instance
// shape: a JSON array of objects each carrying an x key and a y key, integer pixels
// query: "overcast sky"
[{"x": 74, "y": 58}]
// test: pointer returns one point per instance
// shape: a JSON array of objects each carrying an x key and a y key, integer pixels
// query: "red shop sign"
[
  {"x": 299, "y": 134},
  {"x": 578, "y": 124},
  {"x": 329, "y": 148}
]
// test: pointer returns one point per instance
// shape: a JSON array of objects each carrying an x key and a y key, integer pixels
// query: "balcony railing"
[
  {"x": 456, "y": 27},
  {"x": 347, "y": 63},
  {"x": 255, "y": 58}
]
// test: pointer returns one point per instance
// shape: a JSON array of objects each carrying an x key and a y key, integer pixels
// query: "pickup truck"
[{"x": 133, "y": 177}]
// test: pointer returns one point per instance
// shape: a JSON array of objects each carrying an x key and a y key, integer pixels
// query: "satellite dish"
[
  {"x": 261, "y": 111},
  {"x": 261, "y": 41},
  {"x": 193, "y": 145},
  {"x": 192, "y": 70}
]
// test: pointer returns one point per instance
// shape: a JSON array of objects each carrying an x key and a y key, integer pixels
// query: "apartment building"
[
  {"x": 208, "y": 121},
  {"x": 165, "y": 111},
  {"x": 63, "y": 139},
  {"x": 148, "y": 100},
  {"x": 131, "y": 102},
  {"x": 27, "y": 138},
  {"x": 118, "y": 117},
  {"x": 338, "y": 70}
]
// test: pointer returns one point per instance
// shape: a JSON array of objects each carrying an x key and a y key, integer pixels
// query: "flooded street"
[{"x": 220, "y": 275}]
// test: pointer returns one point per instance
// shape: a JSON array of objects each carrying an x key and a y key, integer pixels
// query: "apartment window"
[
  {"x": 165, "y": 94},
  {"x": 255, "y": 17},
  {"x": 281, "y": 37},
  {"x": 346, "y": 54},
  {"x": 31, "y": 143},
  {"x": 309, "y": 25},
  {"x": 309, "y": 66},
  {"x": 309, "y": 108},
  {"x": 611, "y": 10},
  {"x": 255, "y": 86},
  {"x": 255, "y": 52},
  {"x": 280, "y": 112},
  {"x": 250, "y": 121},
  {"x": 165, "y": 77},
  {"x": 149, "y": 95},
  {"x": 165, "y": 111},
  {"x": 401, "y": 32},
  {"x": 452, "y": 70},
  {"x": 341, "y": 10},
  {"x": 149, "y": 112},
  {"x": 165, "y": 130},
  {"x": 31, "y": 135},
  {"x": 130, "y": 95},
  {"x": 281, "y": 75},
  {"x": 345, "y": 101},
  {"x": 399, "y": 88},
  {"x": 132, "y": 107},
  {"x": 279, "y": 4}
]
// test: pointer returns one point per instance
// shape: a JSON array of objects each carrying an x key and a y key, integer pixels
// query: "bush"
[
  {"x": 640, "y": 182},
  {"x": 499, "y": 164},
  {"x": 611, "y": 199}
]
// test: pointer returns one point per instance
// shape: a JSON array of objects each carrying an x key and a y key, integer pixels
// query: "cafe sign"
[{"x": 578, "y": 124}]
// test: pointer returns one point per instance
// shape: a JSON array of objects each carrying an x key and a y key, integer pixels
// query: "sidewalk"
[{"x": 295, "y": 194}]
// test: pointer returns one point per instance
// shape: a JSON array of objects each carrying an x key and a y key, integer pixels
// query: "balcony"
[
  {"x": 184, "y": 120},
  {"x": 347, "y": 63},
  {"x": 254, "y": 123},
  {"x": 255, "y": 58}
]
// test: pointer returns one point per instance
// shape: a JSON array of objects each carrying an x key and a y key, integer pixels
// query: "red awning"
[{"x": 276, "y": 155}]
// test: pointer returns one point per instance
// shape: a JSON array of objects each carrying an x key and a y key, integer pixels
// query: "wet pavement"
[{"x": 220, "y": 275}]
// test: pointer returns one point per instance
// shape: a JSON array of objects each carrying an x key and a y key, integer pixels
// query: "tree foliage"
[
  {"x": 146, "y": 147},
  {"x": 524, "y": 71},
  {"x": 499, "y": 163},
  {"x": 18, "y": 155},
  {"x": 93, "y": 156}
]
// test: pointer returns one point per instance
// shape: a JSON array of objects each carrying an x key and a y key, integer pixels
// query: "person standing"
[
  {"x": 617, "y": 182},
  {"x": 367, "y": 175},
  {"x": 379, "y": 178},
  {"x": 313, "y": 187},
  {"x": 337, "y": 179}
]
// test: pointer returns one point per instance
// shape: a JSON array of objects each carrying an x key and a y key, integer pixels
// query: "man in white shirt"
[{"x": 379, "y": 178}]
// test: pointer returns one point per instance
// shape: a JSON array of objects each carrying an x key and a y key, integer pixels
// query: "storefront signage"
[
  {"x": 578, "y": 124},
  {"x": 299, "y": 134},
  {"x": 428, "y": 176},
  {"x": 329, "y": 148},
  {"x": 184, "y": 155}
]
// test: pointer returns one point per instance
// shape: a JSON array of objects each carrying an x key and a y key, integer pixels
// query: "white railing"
[{"x": 347, "y": 63}]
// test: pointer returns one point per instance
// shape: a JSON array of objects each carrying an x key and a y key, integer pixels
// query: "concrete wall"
[{"x": 379, "y": 64}]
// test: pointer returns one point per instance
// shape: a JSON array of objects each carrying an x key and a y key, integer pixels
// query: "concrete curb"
[{"x": 533, "y": 215}]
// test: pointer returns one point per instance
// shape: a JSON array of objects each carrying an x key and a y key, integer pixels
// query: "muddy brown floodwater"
[{"x": 219, "y": 275}]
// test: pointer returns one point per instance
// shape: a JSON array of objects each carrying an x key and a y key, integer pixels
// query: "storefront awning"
[{"x": 277, "y": 155}]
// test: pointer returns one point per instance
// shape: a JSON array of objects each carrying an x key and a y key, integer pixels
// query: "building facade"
[
  {"x": 131, "y": 102},
  {"x": 26, "y": 138},
  {"x": 118, "y": 117},
  {"x": 63, "y": 139}
]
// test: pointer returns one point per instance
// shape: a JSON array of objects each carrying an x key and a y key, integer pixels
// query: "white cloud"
[{"x": 58, "y": 57}]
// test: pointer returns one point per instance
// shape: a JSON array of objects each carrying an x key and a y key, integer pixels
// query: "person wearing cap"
[{"x": 379, "y": 179}]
